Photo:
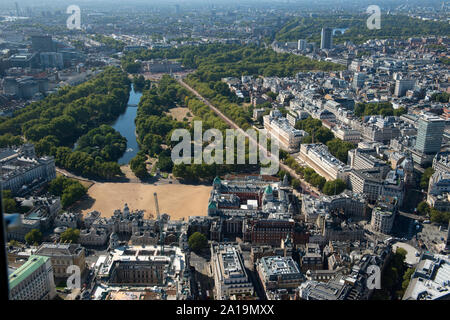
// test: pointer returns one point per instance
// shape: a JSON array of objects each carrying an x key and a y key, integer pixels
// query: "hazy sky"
[{"x": 58, "y": 4}]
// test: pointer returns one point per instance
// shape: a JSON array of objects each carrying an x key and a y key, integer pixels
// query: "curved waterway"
[{"x": 127, "y": 128}]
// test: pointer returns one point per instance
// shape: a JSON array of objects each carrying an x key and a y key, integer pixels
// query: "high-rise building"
[
  {"x": 52, "y": 60},
  {"x": 33, "y": 280},
  {"x": 429, "y": 134},
  {"x": 403, "y": 85},
  {"x": 42, "y": 43},
  {"x": 302, "y": 44},
  {"x": 326, "y": 41},
  {"x": 358, "y": 80},
  {"x": 17, "y": 9}
]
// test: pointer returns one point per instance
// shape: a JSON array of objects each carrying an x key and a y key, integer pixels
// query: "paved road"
[
  {"x": 71, "y": 175},
  {"x": 305, "y": 186},
  {"x": 412, "y": 216}
]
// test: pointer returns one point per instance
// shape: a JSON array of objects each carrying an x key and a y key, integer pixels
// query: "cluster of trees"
[
  {"x": 339, "y": 148},
  {"x": 8, "y": 140},
  {"x": 315, "y": 129},
  {"x": 140, "y": 84},
  {"x": 55, "y": 123},
  {"x": 425, "y": 178},
  {"x": 441, "y": 217},
  {"x": 70, "y": 235},
  {"x": 131, "y": 65},
  {"x": 9, "y": 204},
  {"x": 395, "y": 278},
  {"x": 328, "y": 187},
  {"x": 233, "y": 61},
  {"x": 423, "y": 208},
  {"x": 334, "y": 187},
  {"x": 109, "y": 42},
  {"x": 154, "y": 129},
  {"x": 138, "y": 166},
  {"x": 225, "y": 104},
  {"x": 205, "y": 114},
  {"x": 253, "y": 60},
  {"x": 216, "y": 61},
  {"x": 153, "y": 126},
  {"x": 103, "y": 144},
  {"x": 440, "y": 97},
  {"x": 69, "y": 190},
  {"x": 197, "y": 241},
  {"x": 193, "y": 173},
  {"x": 81, "y": 163},
  {"x": 313, "y": 177},
  {"x": 393, "y": 27},
  {"x": 34, "y": 237},
  {"x": 379, "y": 108},
  {"x": 165, "y": 162},
  {"x": 445, "y": 60},
  {"x": 336, "y": 146}
]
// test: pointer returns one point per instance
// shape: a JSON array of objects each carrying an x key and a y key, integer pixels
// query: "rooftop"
[{"x": 24, "y": 271}]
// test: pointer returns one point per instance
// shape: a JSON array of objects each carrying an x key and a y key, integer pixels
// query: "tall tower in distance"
[
  {"x": 17, "y": 9},
  {"x": 326, "y": 39}
]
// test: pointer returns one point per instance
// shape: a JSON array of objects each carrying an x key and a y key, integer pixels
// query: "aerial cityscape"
[{"x": 236, "y": 150}]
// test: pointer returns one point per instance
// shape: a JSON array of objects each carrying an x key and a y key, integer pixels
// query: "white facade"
[
  {"x": 320, "y": 159},
  {"x": 230, "y": 277}
]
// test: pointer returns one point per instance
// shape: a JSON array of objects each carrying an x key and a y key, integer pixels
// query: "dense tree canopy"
[
  {"x": 441, "y": 217},
  {"x": 379, "y": 108},
  {"x": 337, "y": 147},
  {"x": 138, "y": 166},
  {"x": 334, "y": 187},
  {"x": 103, "y": 142},
  {"x": 109, "y": 42},
  {"x": 392, "y": 27},
  {"x": 440, "y": 97},
  {"x": 9, "y": 140},
  {"x": 55, "y": 123},
  {"x": 154, "y": 129},
  {"x": 70, "y": 235},
  {"x": 34, "y": 237},
  {"x": 9, "y": 204},
  {"x": 340, "y": 148},
  {"x": 425, "y": 178},
  {"x": 197, "y": 241},
  {"x": 69, "y": 190},
  {"x": 216, "y": 61}
]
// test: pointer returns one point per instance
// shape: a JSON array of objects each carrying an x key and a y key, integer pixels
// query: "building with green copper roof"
[{"x": 33, "y": 280}]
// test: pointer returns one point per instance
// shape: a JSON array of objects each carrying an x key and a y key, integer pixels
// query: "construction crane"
[{"x": 160, "y": 223}]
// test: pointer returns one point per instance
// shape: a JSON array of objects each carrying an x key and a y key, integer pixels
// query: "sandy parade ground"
[{"x": 177, "y": 200}]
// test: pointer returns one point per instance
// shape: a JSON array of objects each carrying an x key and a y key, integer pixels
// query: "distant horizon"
[{"x": 167, "y": 3}]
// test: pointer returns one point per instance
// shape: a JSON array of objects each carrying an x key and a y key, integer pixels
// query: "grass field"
[{"x": 179, "y": 113}]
